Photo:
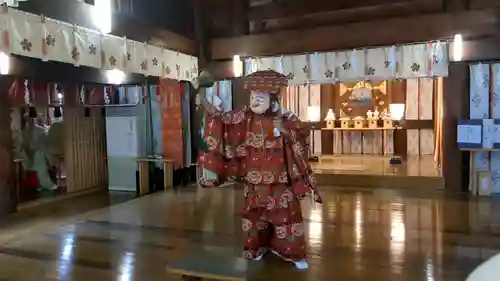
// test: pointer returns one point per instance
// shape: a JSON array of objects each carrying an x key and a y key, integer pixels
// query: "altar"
[{"x": 374, "y": 106}]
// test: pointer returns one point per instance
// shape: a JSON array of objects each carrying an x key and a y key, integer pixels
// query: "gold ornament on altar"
[
  {"x": 388, "y": 124},
  {"x": 359, "y": 122},
  {"x": 359, "y": 97},
  {"x": 345, "y": 122},
  {"x": 372, "y": 119},
  {"x": 330, "y": 119}
]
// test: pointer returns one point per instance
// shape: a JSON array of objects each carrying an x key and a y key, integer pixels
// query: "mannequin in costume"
[
  {"x": 263, "y": 146},
  {"x": 33, "y": 152}
]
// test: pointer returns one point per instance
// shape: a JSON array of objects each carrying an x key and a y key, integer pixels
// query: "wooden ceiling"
[
  {"x": 266, "y": 16},
  {"x": 270, "y": 27},
  {"x": 261, "y": 16}
]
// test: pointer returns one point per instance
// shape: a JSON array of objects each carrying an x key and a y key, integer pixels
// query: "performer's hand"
[
  {"x": 202, "y": 102},
  {"x": 198, "y": 99}
]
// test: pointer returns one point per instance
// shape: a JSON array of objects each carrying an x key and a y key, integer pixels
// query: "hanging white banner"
[
  {"x": 384, "y": 63},
  {"x": 44, "y": 38}
]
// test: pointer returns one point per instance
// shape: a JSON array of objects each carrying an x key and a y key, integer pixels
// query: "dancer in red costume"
[{"x": 265, "y": 147}]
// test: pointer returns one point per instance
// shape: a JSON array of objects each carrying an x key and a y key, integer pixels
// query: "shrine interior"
[
  {"x": 352, "y": 153},
  {"x": 101, "y": 133}
]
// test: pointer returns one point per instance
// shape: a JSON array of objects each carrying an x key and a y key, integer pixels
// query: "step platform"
[{"x": 214, "y": 266}]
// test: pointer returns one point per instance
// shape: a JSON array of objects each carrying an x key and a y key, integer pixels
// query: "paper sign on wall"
[
  {"x": 488, "y": 133},
  {"x": 496, "y": 134},
  {"x": 469, "y": 134}
]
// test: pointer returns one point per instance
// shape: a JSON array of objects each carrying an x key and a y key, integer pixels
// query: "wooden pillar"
[
  {"x": 241, "y": 96},
  {"x": 329, "y": 92},
  {"x": 396, "y": 90},
  {"x": 455, "y": 163},
  {"x": 200, "y": 29},
  {"x": 7, "y": 168}
]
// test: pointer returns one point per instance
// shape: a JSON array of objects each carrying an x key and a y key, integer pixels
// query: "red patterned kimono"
[{"x": 241, "y": 145}]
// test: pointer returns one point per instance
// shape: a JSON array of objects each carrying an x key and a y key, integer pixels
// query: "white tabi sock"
[
  {"x": 302, "y": 264},
  {"x": 259, "y": 257}
]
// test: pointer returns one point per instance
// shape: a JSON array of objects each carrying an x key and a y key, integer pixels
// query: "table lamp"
[
  {"x": 330, "y": 119},
  {"x": 397, "y": 112},
  {"x": 314, "y": 116}
]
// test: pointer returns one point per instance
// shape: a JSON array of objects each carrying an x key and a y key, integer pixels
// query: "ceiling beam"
[
  {"x": 336, "y": 17},
  {"x": 293, "y": 8},
  {"x": 363, "y": 34},
  {"x": 155, "y": 36}
]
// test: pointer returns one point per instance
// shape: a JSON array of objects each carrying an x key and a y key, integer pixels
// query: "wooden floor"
[
  {"x": 421, "y": 166},
  {"x": 357, "y": 234},
  {"x": 376, "y": 171}
]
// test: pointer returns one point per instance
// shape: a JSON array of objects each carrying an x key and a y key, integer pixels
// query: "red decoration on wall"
[
  {"x": 39, "y": 95},
  {"x": 16, "y": 92},
  {"x": 95, "y": 94},
  {"x": 171, "y": 111}
]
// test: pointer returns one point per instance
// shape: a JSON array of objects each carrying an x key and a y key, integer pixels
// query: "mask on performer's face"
[{"x": 259, "y": 102}]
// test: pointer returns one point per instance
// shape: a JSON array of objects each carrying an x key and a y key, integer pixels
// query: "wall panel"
[{"x": 85, "y": 149}]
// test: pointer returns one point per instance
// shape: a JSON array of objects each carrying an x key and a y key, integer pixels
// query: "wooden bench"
[
  {"x": 168, "y": 173},
  {"x": 214, "y": 266}
]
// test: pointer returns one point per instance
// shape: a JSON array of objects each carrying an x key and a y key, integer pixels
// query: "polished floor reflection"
[
  {"x": 421, "y": 166},
  {"x": 355, "y": 235}
]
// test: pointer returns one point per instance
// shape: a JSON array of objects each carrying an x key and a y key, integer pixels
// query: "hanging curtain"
[
  {"x": 221, "y": 90},
  {"x": 156, "y": 132},
  {"x": 186, "y": 124},
  {"x": 171, "y": 111},
  {"x": 290, "y": 99}
]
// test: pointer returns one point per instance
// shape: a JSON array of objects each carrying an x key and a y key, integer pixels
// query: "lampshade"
[
  {"x": 314, "y": 113},
  {"x": 397, "y": 110},
  {"x": 330, "y": 116}
]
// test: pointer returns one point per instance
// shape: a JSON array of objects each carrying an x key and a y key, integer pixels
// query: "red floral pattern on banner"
[{"x": 170, "y": 92}]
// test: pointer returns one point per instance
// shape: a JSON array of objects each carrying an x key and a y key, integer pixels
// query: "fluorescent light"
[
  {"x": 102, "y": 15},
  {"x": 115, "y": 76},
  {"x": 314, "y": 113},
  {"x": 4, "y": 63},
  {"x": 457, "y": 47},
  {"x": 237, "y": 66}
]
